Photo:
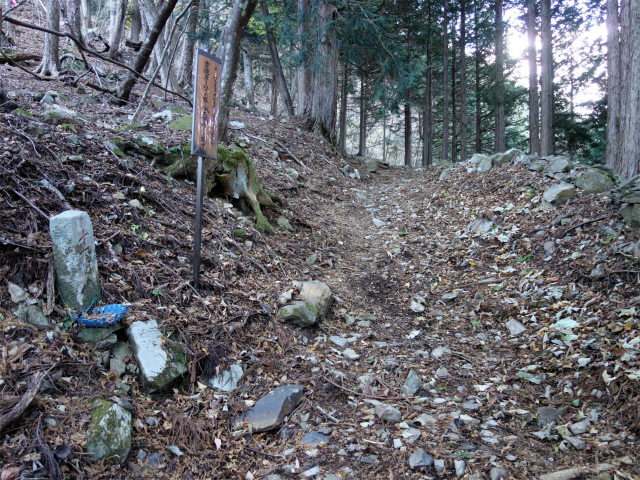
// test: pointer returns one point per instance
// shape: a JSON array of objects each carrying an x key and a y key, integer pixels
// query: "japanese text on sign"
[{"x": 206, "y": 100}]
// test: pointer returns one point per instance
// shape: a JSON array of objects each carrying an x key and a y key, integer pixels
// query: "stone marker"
[
  {"x": 158, "y": 367},
  {"x": 74, "y": 254},
  {"x": 270, "y": 410},
  {"x": 109, "y": 436}
]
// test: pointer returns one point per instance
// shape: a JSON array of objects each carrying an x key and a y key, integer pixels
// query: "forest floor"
[{"x": 416, "y": 289}]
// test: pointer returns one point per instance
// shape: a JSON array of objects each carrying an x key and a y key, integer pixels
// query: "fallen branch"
[
  {"x": 586, "y": 222},
  {"x": 364, "y": 394},
  {"x": 19, "y": 57},
  {"x": 17, "y": 411},
  {"x": 44, "y": 215},
  {"x": 573, "y": 473}
]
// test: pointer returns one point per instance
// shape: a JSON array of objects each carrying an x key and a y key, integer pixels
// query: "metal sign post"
[{"x": 204, "y": 135}]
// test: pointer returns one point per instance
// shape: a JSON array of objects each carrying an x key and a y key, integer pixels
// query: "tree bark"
[
  {"x": 454, "y": 116},
  {"x": 50, "y": 64},
  {"x": 534, "y": 106},
  {"x": 125, "y": 88},
  {"x": 445, "y": 86},
  {"x": 500, "y": 140},
  {"x": 304, "y": 59},
  {"x": 628, "y": 155},
  {"x": 407, "y": 134},
  {"x": 547, "y": 141},
  {"x": 249, "y": 85},
  {"x": 274, "y": 96},
  {"x": 86, "y": 15},
  {"x": 342, "y": 135},
  {"x": 117, "y": 11},
  {"x": 73, "y": 17},
  {"x": 275, "y": 59},
  {"x": 9, "y": 28},
  {"x": 613, "y": 84},
  {"x": 185, "y": 75},
  {"x": 362, "y": 140},
  {"x": 464, "y": 119},
  {"x": 229, "y": 52},
  {"x": 476, "y": 23},
  {"x": 427, "y": 145}
]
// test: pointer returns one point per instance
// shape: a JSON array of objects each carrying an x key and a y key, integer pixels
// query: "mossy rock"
[
  {"x": 180, "y": 110},
  {"x": 19, "y": 111},
  {"x": 232, "y": 174},
  {"x": 240, "y": 233},
  {"x": 183, "y": 124},
  {"x": 109, "y": 436}
]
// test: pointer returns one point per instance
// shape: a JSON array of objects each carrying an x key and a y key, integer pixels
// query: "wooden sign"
[
  {"x": 206, "y": 101},
  {"x": 204, "y": 135}
]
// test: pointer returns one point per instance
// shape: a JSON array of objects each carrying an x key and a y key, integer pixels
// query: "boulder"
[
  {"x": 501, "y": 159},
  {"x": 476, "y": 158},
  {"x": 560, "y": 193},
  {"x": 75, "y": 259},
  {"x": 57, "y": 115},
  {"x": 370, "y": 165},
  {"x": 184, "y": 124},
  {"x": 485, "y": 164},
  {"x": 299, "y": 313},
  {"x": 631, "y": 215},
  {"x": 109, "y": 436},
  {"x": 317, "y": 294},
  {"x": 159, "y": 366},
  {"x": 595, "y": 180},
  {"x": 559, "y": 164},
  {"x": 34, "y": 315},
  {"x": 270, "y": 410}
]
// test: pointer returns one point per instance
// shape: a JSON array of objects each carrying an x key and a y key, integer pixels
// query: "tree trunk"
[
  {"x": 185, "y": 76},
  {"x": 50, "y": 64},
  {"x": 117, "y": 10},
  {"x": 275, "y": 59},
  {"x": 125, "y": 88},
  {"x": 464, "y": 119},
  {"x": 304, "y": 60},
  {"x": 73, "y": 17},
  {"x": 324, "y": 90},
  {"x": 476, "y": 24},
  {"x": 274, "y": 96},
  {"x": 407, "y": 134},
  {"x": 547, "y": 141},
  {"x": 534, "y": 107},
  {"x": 454, "y": 117},
  {"x": 136, "y": 23},
  {"x": 229, "y": 52},
  {"x": 362, "y": 141},
  {"x": 445, "y": 86},
  {"x": 342, "y": 135},
  {"x": 249, "y": 86},
  {"x": 627, "y": 163},
  {"x": 500, "y": 141},
  {"x": 384, "y": 138},
  {"x": 9, "y": 28},
  {"x": 613, "y": 85},
  {"x": 427, "y": 145}
]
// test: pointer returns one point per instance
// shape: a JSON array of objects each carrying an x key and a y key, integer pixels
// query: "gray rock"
[
  {"x": 56, "y": 115},
  {"x": 439, "y": 352},
  {"x": 351, "y": 354},
  {"x": 388, "y": 413},
  {"x": 33, "y": 314},
  {"x": 485, "y": 164},
  {"x": 107, "y": 343},
  {"x": 576, "y": 442},
  {"x": 411, "y": 435},
  {"x": 538, "y": 166},
  {"x": 549, "y": 248},
  {"x": 159, "y": 367},
  {"x": 595, "y": 181},
  {"x": 299, "y": 313},
  {"x": 445, "y": 173},
  {"x": 631, "y": 215},
  {"x": 378, "y": 223},
  {"x": 501, "y": 159},
  {"x": 270, "y": 410},
  {"x": 228, "y": 380},
  {"x": 164, "y": 116},
  {"x": 442, "y": 372},
  {"x": 95, "y": 335},
  {"x": 473, "y": 406},
  {"x": 146, "y": 146},
  {"x": 447, "y": 297},
  {"x": 109, "y": 436},
  {"x": 317, "y": 294},
  {"x": 476, "y": 158},
  {"x": 546, "y": 415},
  {"x": 559, "y": 164},
  {"x": 75, "y": 259},
  {"x": 339, "y": 342},
  {"x": 312, "y": 472},
  {"x": 515, "y": 327},
  {"x": 558, "y": 194},
  {"x": 481, "y": 224},
  {"x": 18, "y": 294},
  {"x": 579, "y": 428},
  {"x": 48, "y": 99},
  {"x": 420, "y": 459},
  {"x": 425, "y": 419},
  {"x": 498, "y": 473},
  {"x": 119, "y": 353},
  {"x": 438, "y": 465},
  {"x": 368, "y": 458},
  {"x": 370, "y": 165},
  {"x": 459, "y": 465},
  {"x": 315, "y": 438},
  {"x": 285, "y": 225},
  {"x": 312, "y": 259},
  {"x": 412, "y": 383}
]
